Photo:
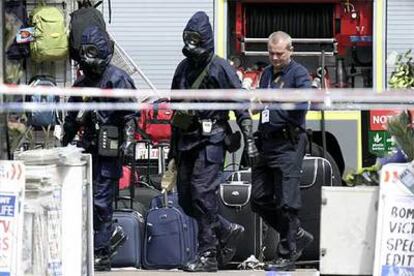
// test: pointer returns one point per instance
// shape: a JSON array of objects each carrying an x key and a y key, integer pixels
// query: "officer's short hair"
[{"x": 278, "y": 36}]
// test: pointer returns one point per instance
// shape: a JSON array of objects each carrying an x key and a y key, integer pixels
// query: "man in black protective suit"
[
  {"x": 102, "y": 135},
  {"x": 197, "y": 145},
  {"x": 282, "y": 141}
]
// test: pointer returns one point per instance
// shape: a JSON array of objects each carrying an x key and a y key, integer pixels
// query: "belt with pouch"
[
  {"x": 211, "y": 126},
  {"x": 277, "y": 134},
  {"x": 206, "y": 126},
  {"x": 288, "y": 132}
]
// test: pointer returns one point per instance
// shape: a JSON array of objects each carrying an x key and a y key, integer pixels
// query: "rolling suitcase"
[
  {"x": 259, "y": 239},
  {"x": 130, "y": 253},
  {"x": 316, "y": 172},
  {"x": 190, "y": 223},
  {"x": 128, "y": 215},
  {"x": 169, "y": 241}
]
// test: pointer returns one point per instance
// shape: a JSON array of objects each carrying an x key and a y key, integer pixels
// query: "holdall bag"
[
  {"x": 126, "y": 180},
  {"x": 154, "y": 124},
  {"x": 259, "y": 239},
  {"x": 235, "y": 193}
]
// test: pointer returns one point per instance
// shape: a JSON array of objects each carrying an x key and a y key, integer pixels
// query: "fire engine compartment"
[{"x": 341, "y": 29}]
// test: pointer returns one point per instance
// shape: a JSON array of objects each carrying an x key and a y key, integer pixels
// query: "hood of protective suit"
[
  {"x": 96, "y": 51},
  {"x": 99, "y": 38},
  {"x": 200, "y": 23}
]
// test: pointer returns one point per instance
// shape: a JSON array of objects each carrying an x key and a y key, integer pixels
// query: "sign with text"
[
  {"x": 378, "y": 119},
  {"x": 394, "y": 248},
  {"x": 12, "y": 181},
  {"x": 380, "y": 143}
]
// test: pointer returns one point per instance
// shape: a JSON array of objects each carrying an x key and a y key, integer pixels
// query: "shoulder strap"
[{"x": 196, "y": 84}]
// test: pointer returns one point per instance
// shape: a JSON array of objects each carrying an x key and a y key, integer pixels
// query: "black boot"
[
  {"x": 286, "y": 260},
  {"x": 118, "y": 238},
  {"x": 283, "y": 263},
  {"x": 303, "y": 240},
  {"x": 205, "y": 262},
  {"x": 228, "y": 244},
  {"x": 102, "y": 262}
]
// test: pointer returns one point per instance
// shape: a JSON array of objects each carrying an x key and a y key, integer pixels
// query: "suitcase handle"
[
  {"x": 165, "y": 198},
  {"x": 236, "y": 174}
]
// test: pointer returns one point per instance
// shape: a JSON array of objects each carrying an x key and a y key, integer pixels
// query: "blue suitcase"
[
  {"x": 170, "y": 235},
  {"x": 190, "y": 240},
  {"x": 130, "y": 253}
]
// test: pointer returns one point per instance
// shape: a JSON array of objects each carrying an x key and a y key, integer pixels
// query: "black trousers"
[
  {"x": 106, "y": 174},
  {"x": 276, "y": 186},
  {"x": 103, "y": 196},
  {"x": 199, "y": 171}
]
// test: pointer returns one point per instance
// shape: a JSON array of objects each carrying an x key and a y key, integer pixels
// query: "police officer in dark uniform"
[
  {"x": 282, "y": 141},
  {"x": 102, "y": 135},
  {"x": 198, "y": 147}
]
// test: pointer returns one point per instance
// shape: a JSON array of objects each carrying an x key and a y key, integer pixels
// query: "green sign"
[{"x": 379, "y": 143}]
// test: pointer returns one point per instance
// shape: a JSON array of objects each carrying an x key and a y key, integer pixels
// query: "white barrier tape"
[
  {"x": 26, "y": 106},
  {"x": 22, "y": 107},
  {"x": 265, "y": 95},
  {"x": 335, "y": 99}
]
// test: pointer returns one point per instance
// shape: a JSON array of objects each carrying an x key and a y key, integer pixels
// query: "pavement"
[{"x": 175, "y": 272}]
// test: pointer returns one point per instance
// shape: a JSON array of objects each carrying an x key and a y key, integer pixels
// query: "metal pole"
[
  {"x": 4, "y": 149},
  {"x": 323, "y": 130}
]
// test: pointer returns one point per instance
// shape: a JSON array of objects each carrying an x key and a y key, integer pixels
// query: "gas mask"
[
  {"x": 90, "y": 63},
  {"x": 192, "y": 48}
]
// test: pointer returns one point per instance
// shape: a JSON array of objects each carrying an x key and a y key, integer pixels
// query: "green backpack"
[{"x": 51, "y": 40}]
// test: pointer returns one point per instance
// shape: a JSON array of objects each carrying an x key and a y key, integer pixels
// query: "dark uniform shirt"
[{"x": 293, "y": 75}]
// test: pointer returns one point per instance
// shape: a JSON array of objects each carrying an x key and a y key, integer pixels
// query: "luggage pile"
[{"x": 162, "y": 236}]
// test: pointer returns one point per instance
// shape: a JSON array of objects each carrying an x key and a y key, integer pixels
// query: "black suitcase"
[
  {"x": 258, "y": 239},
  {"x": 316, "y": 172},
  {"x": 130, "y": 253},
  {"x": 125, "y": 203},
  {"x": 145, "y": 194}
]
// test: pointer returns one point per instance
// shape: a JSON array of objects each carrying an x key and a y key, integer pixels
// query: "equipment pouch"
[
  {"x": 182, "y": 120},
  {"x": 258, "y": 140},
  {"x": 232, "y": 141},
  {"x": 108, "y": 141},
  {"x": 293, "y": 134}
]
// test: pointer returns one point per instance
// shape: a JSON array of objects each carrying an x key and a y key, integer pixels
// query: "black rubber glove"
[
  {"x": 246, "y": 127},
  {"x": 69, "y": 132},
  {"x": 129, "y": 137}
]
